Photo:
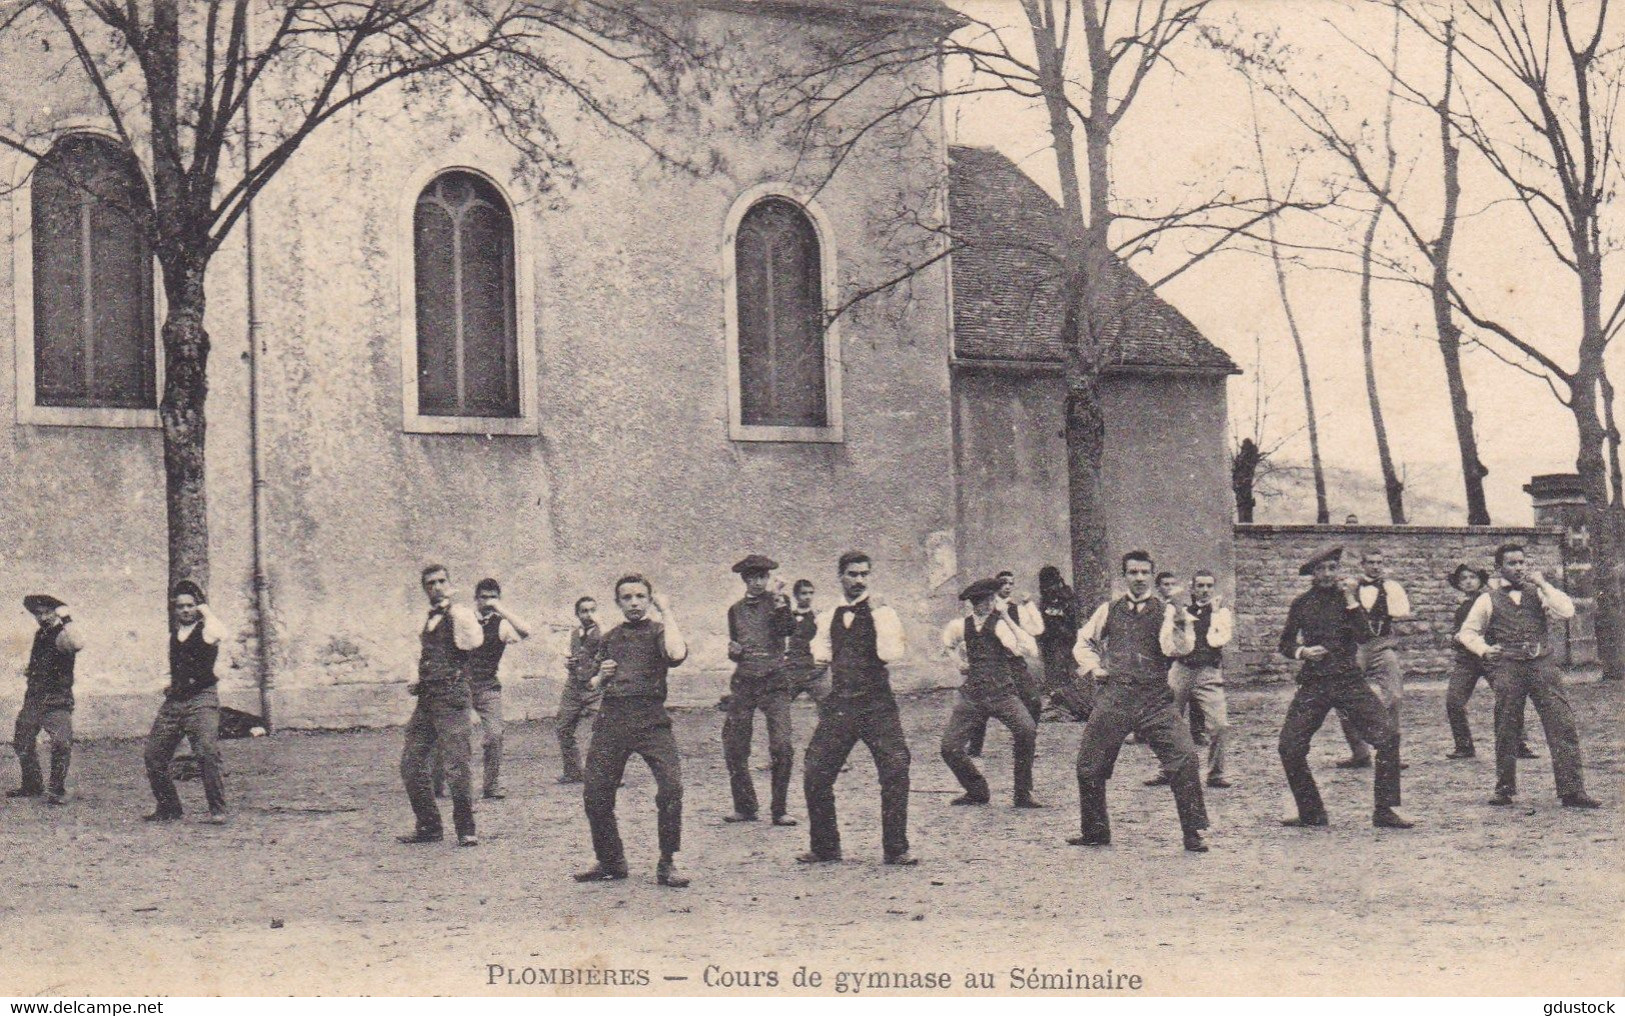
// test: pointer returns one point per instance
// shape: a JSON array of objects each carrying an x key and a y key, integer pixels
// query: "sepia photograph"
[{"x": 1070, "y": 499}]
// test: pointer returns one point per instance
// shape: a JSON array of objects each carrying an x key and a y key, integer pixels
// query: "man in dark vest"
[
  {"x": 1385, "y": 602},
  {"x": 858, "y": 639},
  {"x": 499, "y": 629},
  {"x": 985, "y": 645},
  {"x": 1197, "y": 678},
  {"x": 1467, "y": 669},
  {"x": 806, "y": 676},
  {"x": 758, "y": 626},
  {"x": 1509, "y": 629},
  {"x": 47, "y": 700},
  {"x": 632, "y": 720},
  {"x": 440, "y": 718},
  {"x": 1022, "y": 612},
  {"x": 1324, "y": 628},
  {"x": 191, "y": 706},
  {"x": 579, "y": 698},
  {"x": 1126, "y": 646}
]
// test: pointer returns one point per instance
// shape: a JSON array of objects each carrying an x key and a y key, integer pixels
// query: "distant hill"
[{"x": 1288, "y": 497}]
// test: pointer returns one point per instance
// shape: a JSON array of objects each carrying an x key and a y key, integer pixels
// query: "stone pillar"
[{"x": 1559, "y": 502}]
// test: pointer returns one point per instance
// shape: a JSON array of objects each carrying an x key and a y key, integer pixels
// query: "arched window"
[
  {"x": 92, "y": 278},
  {"x": 467, "y": 343},
  {"x": 779, "y": 277}
]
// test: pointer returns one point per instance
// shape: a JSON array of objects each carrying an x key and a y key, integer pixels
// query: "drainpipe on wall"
[{"x": 256, "y": 511}]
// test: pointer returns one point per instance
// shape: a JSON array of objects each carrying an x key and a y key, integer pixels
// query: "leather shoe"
[
  {"x": 162, "y": 816},
  {"x": 1026, "y": 801},
  {"x": 601, "y": 873},
  {"x": 55, "y": 798},
  {"x": 1502, "y": 798},
  {"x": 904, "y": 859},
  {"x": 1195, "y": 843},
  {"x": 421, "y": 836},
  {"x": 24, "y": 792},
  {"x": 783, "y": 820},
  {"x": 1089, "y": 841},
  {"x": 1300, "y": 822},
  {"x": 967, "y": 799},
  {"x": 495, "y": 794},
  {"x": 1218, "y": 783},
  {"x": 1388, "y": 818},
  {"x": 811, "y": 858},
  {"x": 1355, "y": 763},
  {"x": 1580, "y": 800},
  {"x": 1461, "y": 753},
  {"x": 216, "y": 818},
  {"x": 467, "y": 840},
  {"x": 1524, "y": 751},
  {"x": 1158, "y": 780},
  {"x": 739, "y": 816},
  {"x": 666, "y": 874}
]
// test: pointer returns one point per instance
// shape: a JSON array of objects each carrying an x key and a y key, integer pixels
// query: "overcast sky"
[{"x": 1191, "y": 131}]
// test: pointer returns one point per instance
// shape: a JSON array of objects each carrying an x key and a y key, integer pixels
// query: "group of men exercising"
[{"x": 1143, "y": 658}]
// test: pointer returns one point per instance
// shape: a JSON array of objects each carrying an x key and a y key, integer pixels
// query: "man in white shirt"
[
  {"x": 858, "y": 638},
  {"x": 449, "y": 633},
  {"x": 1197, "y": 677},
  {"x": 1126, "y": 646},
  {"x": 1022, "y": 612},
  {"x": 191, "y": 708},
  {"x": 1385, "y": 602},
  {"x": 986, "y": 645},
  {"x": 1510, "y": 630}
]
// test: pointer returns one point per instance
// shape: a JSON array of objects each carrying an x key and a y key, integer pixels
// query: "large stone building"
[{"x": 551, "y": 389}]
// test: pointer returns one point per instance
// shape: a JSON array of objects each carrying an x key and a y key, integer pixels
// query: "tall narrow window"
[
  {"x": 92, "y": 263},
  {"x": 779, "y": 275},
  {"x": 467, "y": 346}
]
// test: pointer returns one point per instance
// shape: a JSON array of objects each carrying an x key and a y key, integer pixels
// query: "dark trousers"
[
  {"x": 841, "y": 725},
  {"x": 1062, "y": 683},
  {"x": 57, "y": 722},
  {"x": 1029, "y": 691},
  {"x": 1148, "y": 711},
  {"x": 488, "y": 707},
  {"x": 1464, "y": 678},
  {"x": 970, "y": 715},
  {"x": 197, "y": 719},
  {"x": 627, "y": 727},
  {"x": 1540, "y": 682},
  {"x": 1372, "y": 722},
  {"x": 744, "y": 699},
  {"x": 440, "y": 721},
  {"x": 578, "y": 702}
]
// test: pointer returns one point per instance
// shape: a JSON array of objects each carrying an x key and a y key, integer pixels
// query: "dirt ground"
[{"x": 306, "y": 890}]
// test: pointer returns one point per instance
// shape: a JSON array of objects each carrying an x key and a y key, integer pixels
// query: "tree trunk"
[
  {"x": 186, "y": 387},
  {"x": 1243, "y": 476},
  {"x": 1473, "y": 471},
  {"x": 1390, "y": 478},
  {"x": 1587, "y": 404}
]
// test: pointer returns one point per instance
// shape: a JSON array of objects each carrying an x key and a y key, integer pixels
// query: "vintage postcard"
[{"x": 1050, "y": 498}]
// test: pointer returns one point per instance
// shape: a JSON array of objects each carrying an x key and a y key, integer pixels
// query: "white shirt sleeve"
[
  {"x": 213, "y": 630},
  {"x": 1472, "y": 629},
  {"x": 465, "y": 627},
  {"x": 1221, "y": 628},
  {"x": 1015, "y": 639},
  {"x": 890, "y": 645},
  {"x": 1032, "y": 619},
  {"x": 953, "y": 638},
  {"x": 1557, "y": 603},
  {"x": 1399, "y": 603},
  {"x": 1176, "y": 640},
  {"x": 1086, "y": 650},
  {"x": 820, "y": 645},
  {"x": 506, "y": 633}
]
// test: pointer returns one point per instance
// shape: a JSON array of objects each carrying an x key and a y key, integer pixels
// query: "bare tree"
[
  {"x": 1084, "y": 62},
  {"x": 1391, "y": 483},
  {"x": 1252, "y": 458},
  {"x": 176, "y": 82}
]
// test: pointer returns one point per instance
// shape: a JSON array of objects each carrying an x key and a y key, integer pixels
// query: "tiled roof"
[{"x": 1007, "y": 279}]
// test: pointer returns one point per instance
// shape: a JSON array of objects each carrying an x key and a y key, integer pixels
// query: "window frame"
[
  {"x": 528, "y": 422},
  {"x": 29, "y": 411},
  {"x": 834, "y": 431}
]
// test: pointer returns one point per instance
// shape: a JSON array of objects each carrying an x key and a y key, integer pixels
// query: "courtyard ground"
[{"x": 306, "y": 890}]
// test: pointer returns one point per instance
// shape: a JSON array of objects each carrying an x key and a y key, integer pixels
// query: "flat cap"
[
  {"x": 41, "y": 601},
  {"x": 755, "y": 563},
  {"x": 980, "y": 588},
  {"x": 1467, "y": 569},
  {"x": 1329, "y": 554}
]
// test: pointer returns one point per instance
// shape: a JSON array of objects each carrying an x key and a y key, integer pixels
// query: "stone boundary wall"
[{"x": 1420, "y": 558}]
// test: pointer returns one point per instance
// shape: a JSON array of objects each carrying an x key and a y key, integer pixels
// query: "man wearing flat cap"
[
  {"x": 987, "y": 645},
  {"x": 1467, "y": 669},
  {"x": 191, "y": 708},
  {"x": 47, "y": 700},
  {"x": 758, "y": 627},
  {"x": 1324, "y": 629}
]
